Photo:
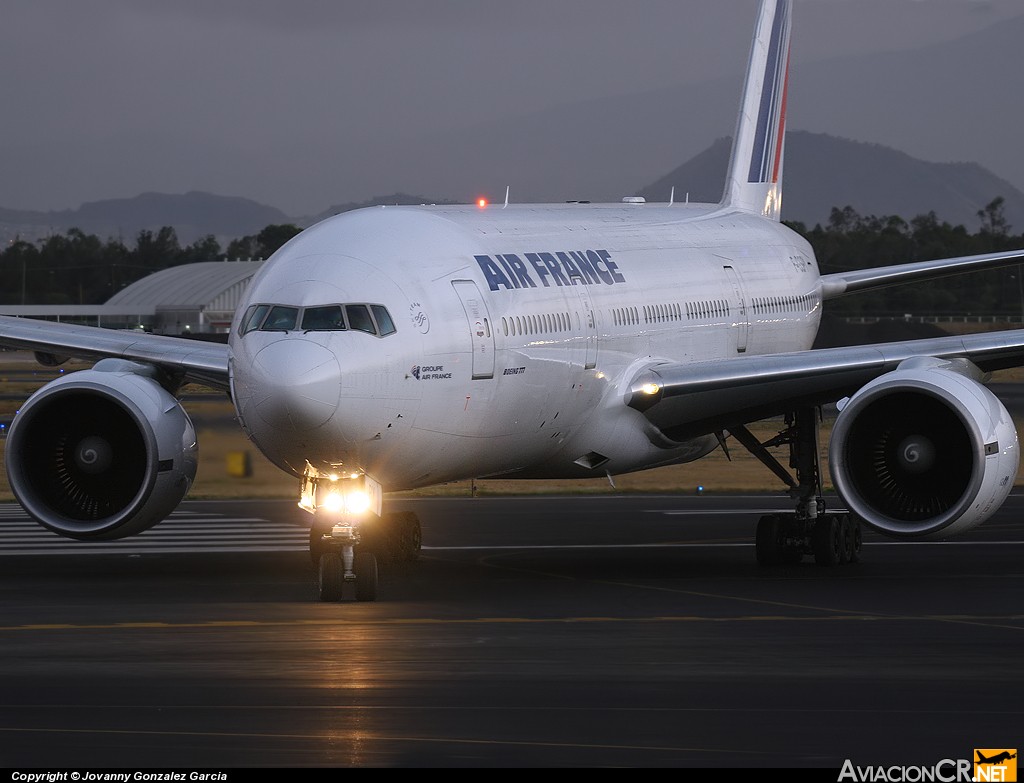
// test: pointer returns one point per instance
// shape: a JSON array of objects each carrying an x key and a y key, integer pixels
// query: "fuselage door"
[
  {"x": 480, "y": 330},
  {"x": 741, "y": 320},
  {"x": 588, "y": 324}
]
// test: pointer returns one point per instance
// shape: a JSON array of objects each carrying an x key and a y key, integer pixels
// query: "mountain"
[
  {"x": 192, "y": 214},
  {"x": 948, "y": 101},
  {"x": 823, "y": 171}
]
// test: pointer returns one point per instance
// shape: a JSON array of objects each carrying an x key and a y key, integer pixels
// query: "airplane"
[
  {"x": 996, "y": 759},
  {"x": 393, "y": 348}
]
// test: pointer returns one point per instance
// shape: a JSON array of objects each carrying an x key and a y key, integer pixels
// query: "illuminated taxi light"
[
  {"x": 650, "y": 388},
  {"x": 333, "y": 477},
  {"x": 357, "y": 502},
  {"x": 481, "y": 202},
  {"x": 334, "y": 502}
]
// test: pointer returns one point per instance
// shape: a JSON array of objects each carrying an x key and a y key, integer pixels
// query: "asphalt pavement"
[{"x": 628, "y": 631}]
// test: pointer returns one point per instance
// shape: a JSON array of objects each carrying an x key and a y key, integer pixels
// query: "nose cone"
[{"x": 298, "y": 386}]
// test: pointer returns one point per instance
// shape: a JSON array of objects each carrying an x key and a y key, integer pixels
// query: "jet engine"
[
  {"x": 101, "y": 454},
  {"x": 924, "y": 451}
]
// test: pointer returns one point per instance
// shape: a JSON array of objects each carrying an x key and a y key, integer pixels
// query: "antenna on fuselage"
[
  {"x": 507, "y": 189},
  {"x": 672, "y": 196}
]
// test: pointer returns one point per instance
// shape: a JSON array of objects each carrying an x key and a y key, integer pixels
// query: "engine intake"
[
  {"x": 925, "y": 451},
  {"x": 103, "y": 453}
]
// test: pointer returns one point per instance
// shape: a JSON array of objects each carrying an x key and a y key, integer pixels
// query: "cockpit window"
[
  {"x": 359, "y": 318},
  {"x": 384, "y": 323},
  {"x": 281, "y": 319},
  {"x": 323, "y": 319},
  {"x": 245, "y": 319},
  {"x": 253, "y": 318}
]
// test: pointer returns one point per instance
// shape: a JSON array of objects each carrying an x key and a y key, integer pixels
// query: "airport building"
[{"x": 198, "y": 298}]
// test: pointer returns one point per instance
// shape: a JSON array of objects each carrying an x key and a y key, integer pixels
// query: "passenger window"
[
  {"x": 281, "y": 319},
  {"x": 323, "y": 319},
  {"x": 359, "y": 318},
  {"x": 384, "y": 322}
]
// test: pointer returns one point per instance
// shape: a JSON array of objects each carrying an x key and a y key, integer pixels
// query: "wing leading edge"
[
  {"x": 842, "y": 283},
  {"x": 685, "y": 400},
  {"x": 185, "y": 359}
]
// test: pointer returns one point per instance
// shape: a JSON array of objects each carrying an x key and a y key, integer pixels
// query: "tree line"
[
  {"x": 850, "y": 241},
  {"x": 79, "y": 268}
]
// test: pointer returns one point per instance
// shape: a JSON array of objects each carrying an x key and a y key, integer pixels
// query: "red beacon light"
[{"x": 481, "y": 202}]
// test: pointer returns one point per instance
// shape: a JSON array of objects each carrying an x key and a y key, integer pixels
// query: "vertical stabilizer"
[{"x": 754, "y": 183}]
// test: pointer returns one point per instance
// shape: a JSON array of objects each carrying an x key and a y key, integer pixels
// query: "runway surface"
[{"x": 621, "y": 631}]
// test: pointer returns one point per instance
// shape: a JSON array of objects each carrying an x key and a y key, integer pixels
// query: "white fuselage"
[{"x": 518, "y": 330}]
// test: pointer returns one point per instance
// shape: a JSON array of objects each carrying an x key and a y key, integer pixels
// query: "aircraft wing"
[
  {"x": 685, "y": 400},
  {"x": 189, "y": 360},
  {"x": 842, "y": 283}
]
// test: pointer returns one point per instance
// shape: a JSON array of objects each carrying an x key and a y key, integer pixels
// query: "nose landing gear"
[
  {"x": 340, "y": 563},
  {"x": 352, "y": 553}
]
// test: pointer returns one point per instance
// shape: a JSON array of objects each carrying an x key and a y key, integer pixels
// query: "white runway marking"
[
  {"x": 710, "y": 512},
  {"x": 183, "y": 532},
  {"x": 186, "y": 532},
  {"x": 697, "y": 545}
]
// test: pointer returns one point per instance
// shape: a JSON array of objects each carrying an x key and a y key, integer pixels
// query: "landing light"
[
  {"x": 333, "y": 502},
  {"x": 350, "y": 502},
  {"x": 357, "y": 502},
  {"x": 650, "y": 388}
]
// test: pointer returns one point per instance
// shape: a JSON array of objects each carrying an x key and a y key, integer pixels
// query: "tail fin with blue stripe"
[{"x": 754, "y": 183}]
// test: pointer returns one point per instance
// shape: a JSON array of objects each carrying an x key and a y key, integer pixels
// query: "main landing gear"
[
  {"x": 784, "y": 539},
  {"x": 348, "y": 553}
]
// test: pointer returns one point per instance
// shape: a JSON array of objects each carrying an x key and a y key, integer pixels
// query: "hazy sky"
[{"x": 295, "y": 103}]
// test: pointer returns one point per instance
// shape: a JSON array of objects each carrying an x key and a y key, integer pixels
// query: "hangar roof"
[{"x": 208, "y": 285}]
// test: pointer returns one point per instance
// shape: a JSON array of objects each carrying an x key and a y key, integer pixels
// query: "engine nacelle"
[
  {"x": 925, "y": 451},
  {"x": 102, "y": 453}
]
